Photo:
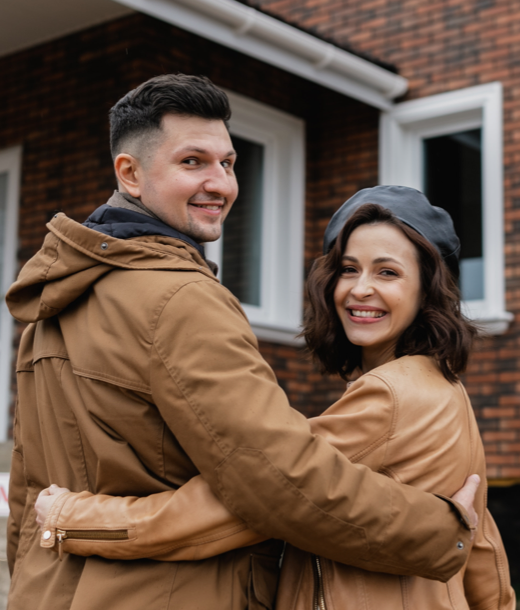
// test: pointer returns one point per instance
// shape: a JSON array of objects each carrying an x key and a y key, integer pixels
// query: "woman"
[{"x": 384, "y": 309}]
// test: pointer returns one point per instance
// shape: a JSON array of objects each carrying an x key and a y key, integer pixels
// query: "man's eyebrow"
[{"x": 203, "y": 151}]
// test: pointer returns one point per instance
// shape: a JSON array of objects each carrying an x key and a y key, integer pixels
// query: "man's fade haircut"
[{"x": 138, "y": 115}]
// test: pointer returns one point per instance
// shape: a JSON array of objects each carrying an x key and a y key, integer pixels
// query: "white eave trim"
[{"x": 253, "y": 33}]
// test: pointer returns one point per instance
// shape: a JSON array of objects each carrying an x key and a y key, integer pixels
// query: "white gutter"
[{"x": 253, "y": 33}]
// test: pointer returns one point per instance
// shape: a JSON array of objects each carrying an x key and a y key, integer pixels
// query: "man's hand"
[
  {"x": 46, "y": 499},
  {"x": 466, "y": 496}
]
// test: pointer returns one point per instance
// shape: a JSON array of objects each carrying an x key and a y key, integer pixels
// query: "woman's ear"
[{"x": 127, "y": 173}]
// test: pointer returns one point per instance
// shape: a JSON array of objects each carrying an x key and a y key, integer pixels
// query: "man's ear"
[{"x": 127, "y": 173}]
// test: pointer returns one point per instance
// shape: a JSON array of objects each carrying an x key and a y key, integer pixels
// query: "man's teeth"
[
  {"x": 208, "y": 207},
  {"x": 367, "y": 314}
]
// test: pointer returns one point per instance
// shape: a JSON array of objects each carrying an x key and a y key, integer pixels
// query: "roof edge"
[
  {"x": 255, "y": 33},
  {"x": 321, "y": 36}
]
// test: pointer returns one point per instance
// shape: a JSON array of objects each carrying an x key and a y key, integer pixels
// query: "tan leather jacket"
[
  {"x": 140, "y": 371},
  {"x": 403, "y": 419}
]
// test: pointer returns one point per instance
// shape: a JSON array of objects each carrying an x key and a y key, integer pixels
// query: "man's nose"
[{"x": 220, "y": 182}]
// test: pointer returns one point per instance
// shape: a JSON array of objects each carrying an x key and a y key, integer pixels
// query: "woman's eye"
[
  {"x": 348, "y": 269},
  {"x": 388, "y": 273}
]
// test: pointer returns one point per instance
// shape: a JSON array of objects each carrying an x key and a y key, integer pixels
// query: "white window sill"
[
  {"x": 490, "y": 320},
  {"x": 493, "y": 323},
  {"x": 278, "y": 334}
]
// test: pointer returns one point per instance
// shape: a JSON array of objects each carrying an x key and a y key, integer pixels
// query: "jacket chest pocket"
[{"x": 263, "y": 581}]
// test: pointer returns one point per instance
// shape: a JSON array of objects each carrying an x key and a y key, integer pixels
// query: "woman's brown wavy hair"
[{"x": 439, "y": 330}]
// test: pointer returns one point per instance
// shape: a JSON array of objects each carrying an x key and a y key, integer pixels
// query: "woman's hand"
[
  {"x": 45, "y": 500},
  {"x": 466, "y": 496}
]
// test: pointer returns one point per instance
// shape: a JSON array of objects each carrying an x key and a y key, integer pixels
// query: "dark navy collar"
[{"x": 125, "y": 224}]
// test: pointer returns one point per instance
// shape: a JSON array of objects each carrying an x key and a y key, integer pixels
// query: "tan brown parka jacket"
[{"x": 139, "y": 371}]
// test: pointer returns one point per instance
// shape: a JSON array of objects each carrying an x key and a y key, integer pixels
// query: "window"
[
  {"x": 453, "y": 180},
  {"x": 10, "y": 167},
  {"x": 260, "y": 253},
  {"x": 242, "y": 237},
  {"x": 450, "y": 147}
]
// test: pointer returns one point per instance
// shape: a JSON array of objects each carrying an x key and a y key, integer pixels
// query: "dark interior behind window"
[
  {"x": 453, "y": 181},
  {"x": 242, "y": 237}
]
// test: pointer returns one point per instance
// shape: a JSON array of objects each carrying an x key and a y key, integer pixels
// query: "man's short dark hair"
[{"x": 138, "y": 115}]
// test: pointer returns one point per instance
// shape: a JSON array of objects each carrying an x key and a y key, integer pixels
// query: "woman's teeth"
[{"x": 358, "y": 313}]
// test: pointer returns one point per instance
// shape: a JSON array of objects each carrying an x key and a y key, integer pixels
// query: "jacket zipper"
[
  {"x": 62, "y": 535},
  {"x": 319, "y": 593}
]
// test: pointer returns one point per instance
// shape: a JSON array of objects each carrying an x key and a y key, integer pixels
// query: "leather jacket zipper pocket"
[
  {"x": 319, "y": 591},
  {"x": 62, "y": 535}
]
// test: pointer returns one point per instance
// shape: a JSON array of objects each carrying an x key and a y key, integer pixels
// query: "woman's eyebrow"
[
  {"x": 380, "y": 259},
  {"x": 386, "y": 259}
]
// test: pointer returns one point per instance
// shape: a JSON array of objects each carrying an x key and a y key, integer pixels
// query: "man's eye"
[
  {"x": 190, "y": 161},
  {"x": 226, "y": 164}
]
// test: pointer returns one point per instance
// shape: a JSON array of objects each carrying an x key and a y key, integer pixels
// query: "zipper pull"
[{"x": 60, "y": 535}]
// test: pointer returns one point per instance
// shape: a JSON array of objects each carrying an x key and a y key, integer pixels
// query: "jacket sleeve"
[
  {"x": 187, "y": 524},
  {"x": 486, "y": 579},
  {"x": 222, "y": 402},
  {"x": 361, "y": 422},
  {"x": 17, "y": 497}
]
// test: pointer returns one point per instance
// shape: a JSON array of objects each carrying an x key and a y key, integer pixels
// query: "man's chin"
[{"x": 204, "y": 235}]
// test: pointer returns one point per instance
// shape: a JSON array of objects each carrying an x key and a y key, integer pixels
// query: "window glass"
[
  {"x": 3, "y": 203},
  {"x": 242, "y": 236},
  {"x": 453, "y": 181}
]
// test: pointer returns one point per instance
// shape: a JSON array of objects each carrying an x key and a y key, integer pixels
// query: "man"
[{"x": 139, "y": 370}]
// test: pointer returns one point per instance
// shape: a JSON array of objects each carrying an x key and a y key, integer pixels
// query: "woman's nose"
[{"x": 363, "y": 287}]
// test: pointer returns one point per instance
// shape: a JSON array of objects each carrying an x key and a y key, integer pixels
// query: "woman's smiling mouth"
[{"x": 366, "y": 316}]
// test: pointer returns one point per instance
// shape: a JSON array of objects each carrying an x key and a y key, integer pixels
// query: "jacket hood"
[{"x": 74, "y": 256}]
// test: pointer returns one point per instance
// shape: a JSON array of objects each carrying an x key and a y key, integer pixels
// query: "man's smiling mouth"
[
  {"x": 207, "y": 206},
  {"x": 357, "y": 313}
]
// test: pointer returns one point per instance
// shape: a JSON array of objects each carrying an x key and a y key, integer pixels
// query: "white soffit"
[
  {"x": 26, "y": 23},
  {"x": 253, "y": 33}
]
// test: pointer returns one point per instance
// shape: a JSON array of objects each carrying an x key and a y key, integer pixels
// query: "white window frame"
[
  {"x": 279, "y": 316},
  {"x": 402, "y": 131},
  {"x": 10, "y": 163}
]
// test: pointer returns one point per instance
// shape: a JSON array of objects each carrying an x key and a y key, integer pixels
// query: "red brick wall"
[
  {"x": 439, "y": 46},
  {"x": 55, "y": 100}
]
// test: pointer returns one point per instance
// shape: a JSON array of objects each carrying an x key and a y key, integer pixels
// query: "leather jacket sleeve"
[
  {"x": 187, "y": 524},
  {"x": 361, "y": 431},
  {"x": 486, "y": 578}
]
